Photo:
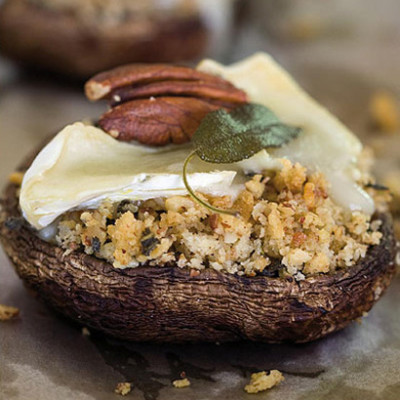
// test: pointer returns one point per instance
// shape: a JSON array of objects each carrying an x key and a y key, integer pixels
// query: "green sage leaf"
[{"x": 224, "y": 137}]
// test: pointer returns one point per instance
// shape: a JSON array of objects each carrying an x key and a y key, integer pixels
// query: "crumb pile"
[
  {"x": 8, "y": 312},
  {"x": 261, "y": 381},
  {"x": 123, "y": 388},
  {"x": 181, "y": 383},
  {"x": 285, "y": 216}
]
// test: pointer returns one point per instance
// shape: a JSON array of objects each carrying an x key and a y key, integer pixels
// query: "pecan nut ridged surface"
[{"x": 159, "y": 104}]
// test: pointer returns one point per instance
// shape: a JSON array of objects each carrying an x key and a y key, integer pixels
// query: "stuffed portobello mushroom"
[{"x": 209, "y": 204}]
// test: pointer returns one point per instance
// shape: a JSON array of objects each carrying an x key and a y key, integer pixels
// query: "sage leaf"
[{"x": 224, "y": 137}]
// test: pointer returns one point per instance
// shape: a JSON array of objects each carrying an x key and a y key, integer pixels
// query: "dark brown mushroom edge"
[{"x": 166, "y": 304}]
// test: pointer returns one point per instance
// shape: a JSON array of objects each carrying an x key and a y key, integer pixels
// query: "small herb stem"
[{"x": 193, "y": 194}]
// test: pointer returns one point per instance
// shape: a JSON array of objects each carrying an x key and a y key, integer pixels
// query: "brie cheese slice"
[{"x": 83, "y": 166}]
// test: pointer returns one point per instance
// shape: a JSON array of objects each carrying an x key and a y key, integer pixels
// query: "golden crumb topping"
[{"x": 284, "y": 217}]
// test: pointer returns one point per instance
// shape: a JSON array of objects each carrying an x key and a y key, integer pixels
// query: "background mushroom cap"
[{"x": 166, "y": 304}]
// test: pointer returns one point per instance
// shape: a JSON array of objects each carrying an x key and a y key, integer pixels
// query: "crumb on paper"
[
  {"x": 8, "y": 312},
  {"x": 181, "y": 383},
  {"x": 261, "y": 381},
  {"x": 385, "y": 112},
  {"x": 16, "y": 178},
  {"x": 85, "y": 331},
  {"x": 123, "y": 388},
  {"x": 360, "y": 319}
]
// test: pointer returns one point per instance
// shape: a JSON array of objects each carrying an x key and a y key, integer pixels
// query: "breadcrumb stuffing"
[
  {"x": 262, "y": 381},
  {"x": 123, "y": 388},
  {"x": 286, "y": 215},
  {"x": 8, "y": 312},
  {"x": 181, "y": 383}
]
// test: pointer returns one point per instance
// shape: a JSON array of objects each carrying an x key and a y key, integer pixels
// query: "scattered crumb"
[
  {"x": 123, "y": 388},
  {"x": 384, "y": 112},
  {"x": 260, "y": 381},
  {"x": 16, "y": 178},
  {"x": 181, "y": 383},
  {"x": 85, "y": 331},
  {"x": 360, "y": 319},
  {"x": 7, "y": 312}
]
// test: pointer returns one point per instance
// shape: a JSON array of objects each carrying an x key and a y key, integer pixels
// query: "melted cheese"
[{"x": 83, "y": 166}]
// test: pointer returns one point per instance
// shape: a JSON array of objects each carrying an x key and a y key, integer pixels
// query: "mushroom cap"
[
  {"x": 62, "y": 43},
  {"x": 167, "y": 304}
]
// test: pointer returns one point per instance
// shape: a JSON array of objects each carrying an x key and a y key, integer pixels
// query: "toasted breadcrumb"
[
  {"x": 385, "y": 112},
  {"x": 123, "y": 388},
  {"x": 181, "y": 383},
  {"x": 16, "y": 178},
  {"x": 8, "y": 312},
  {"x": 286, "y": 215},
  {"x": 261, "y": 381}
]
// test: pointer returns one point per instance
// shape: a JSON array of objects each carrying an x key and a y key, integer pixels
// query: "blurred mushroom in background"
[{"x": 78, "y": 38}]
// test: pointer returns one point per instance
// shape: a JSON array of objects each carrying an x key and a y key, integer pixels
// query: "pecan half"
[
  {"x": 156, "y": 121},
  {"x": 102, "y": 85},
  {"x": 159, "y": 104}
]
